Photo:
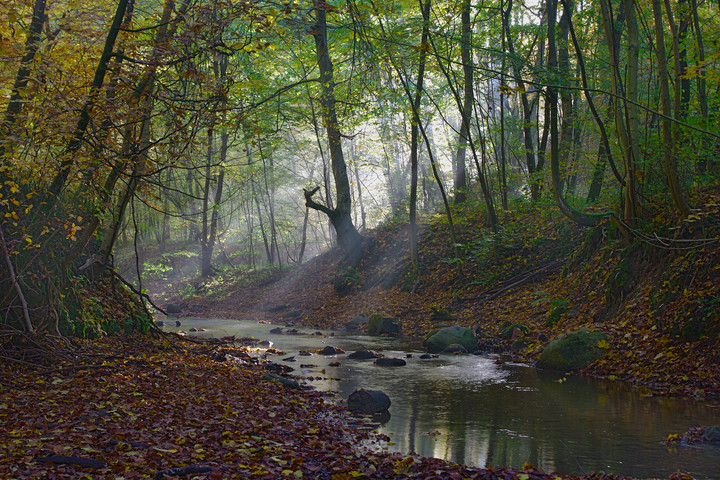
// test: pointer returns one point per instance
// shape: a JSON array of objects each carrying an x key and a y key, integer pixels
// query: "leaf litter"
[{"x": 137, "y": 407}]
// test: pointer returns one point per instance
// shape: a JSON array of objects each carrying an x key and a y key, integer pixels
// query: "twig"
[
  {"x": 577, "y": 462},
  {"x": 137, "y": 292},
  {"x": 14, "y": 280},
  {"x": 75, "y": 368},
  {"x": 511, "y": 283}
]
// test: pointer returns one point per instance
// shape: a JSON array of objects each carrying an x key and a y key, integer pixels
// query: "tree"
[
  {"x": 466, "y": 53},
  {"x": 340, "y": 216}
]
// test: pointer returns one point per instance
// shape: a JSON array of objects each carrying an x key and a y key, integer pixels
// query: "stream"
[{"x": 468, "y": 409}]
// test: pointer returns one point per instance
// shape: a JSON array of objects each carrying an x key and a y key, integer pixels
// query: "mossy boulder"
[
  {"x": 438, "y": 340},
  {"x": 379, "y": 325},
  {"x": 454, "y": 349},
  {"x": 574, "y": 351}
]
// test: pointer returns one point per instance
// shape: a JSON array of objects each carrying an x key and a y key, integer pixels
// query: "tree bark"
[
  {"x": 15, "y": 282},
  {"x": 79, "y": 132},
  {"x": 32, "y": 44},
  {"x": 425, "y": 9},
  {"x": 526, "y": 106},
  {"x": 568, "y": 110},
  {"x": 669, "y": 140},
  {"x": 604, "y": 150},
  {"x": 492, "y": 216},
  {"x": 348, "y": 236},
  {"x": 702, "y": 162},
  {"x": 578, "y": 217},
  {"x": 632, "y": 206},
  {"x": 460, "y": 181}
]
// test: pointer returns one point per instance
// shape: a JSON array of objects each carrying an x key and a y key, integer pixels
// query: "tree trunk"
[
  {"x": 604, "y": 151},
  {"x": 348, "y": 236},
  {"x": 303, "y": 241},
  {"x": 270, "y": 195},
  {"x": 681, "y": 52},
  {"x": 632, "y": 207},
  {"x": 627, "y": 131},
  {"x": 78, "y": 134},
  {"x": 205, "y": 247},
  {"x": 568, "y": 111},
  {"x": 356, "y": 172},
  {"x": 32, "y": 44},
  {"x": 669, "y": 140},
  {"x": 579, "y": 217},
  {"x": 269, "y": 251},
  {"x": 460, "y": 184},
  {"x": 425, "y": 8},
  {"x": 492, "y": 216},
  {"x": 526, "y": 106}
]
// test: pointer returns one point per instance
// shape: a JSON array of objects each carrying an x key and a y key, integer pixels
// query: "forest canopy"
[{"x": 267, "y": 131}]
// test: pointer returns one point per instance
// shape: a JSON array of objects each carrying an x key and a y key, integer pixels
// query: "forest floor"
[
  {"x": 138, "y": 407},
  {"x": 540, "y": 277}
]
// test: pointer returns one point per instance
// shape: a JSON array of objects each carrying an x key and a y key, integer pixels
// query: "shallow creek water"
[{"x": 468, "y": 409}]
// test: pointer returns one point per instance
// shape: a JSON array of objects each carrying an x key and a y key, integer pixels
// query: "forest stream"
[{"x": 473, "y": 410}]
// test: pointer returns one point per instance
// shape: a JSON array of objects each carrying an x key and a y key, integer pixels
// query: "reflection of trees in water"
[
  {"x": 571, "y": 426},
  {"x": 412, "y": 422}
]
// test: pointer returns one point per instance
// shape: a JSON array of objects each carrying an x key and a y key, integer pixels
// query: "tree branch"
[
  {"x": 310, "y": 203},
  {"x": 14, "y": 280}
]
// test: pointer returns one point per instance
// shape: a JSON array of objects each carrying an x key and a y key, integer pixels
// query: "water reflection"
[{"x": 469, "y": 410}]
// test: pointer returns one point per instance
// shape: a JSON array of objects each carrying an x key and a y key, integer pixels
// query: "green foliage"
[
  {"x": 507, "y": 329},
  {"x": 156, "y": 270},
  {"x": 557, "y": 310},
  {"x": 188, "y": 290},
  {"x": 347, "y": 280},
  {"x": 558, "y": 306},
  {"x": 95, "y": 310}
]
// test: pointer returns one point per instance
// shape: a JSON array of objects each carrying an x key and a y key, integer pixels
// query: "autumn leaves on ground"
[
  {"x": 142, "y": 407},
  {"x": 158, "y": 406}
]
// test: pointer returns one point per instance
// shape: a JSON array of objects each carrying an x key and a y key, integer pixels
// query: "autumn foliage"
[{"x": 134, "y": 407}]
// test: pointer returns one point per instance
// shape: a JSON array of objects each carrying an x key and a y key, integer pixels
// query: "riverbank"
[
  {"x": 139, "y": 407},
  {"x": 530, "y": 283}
]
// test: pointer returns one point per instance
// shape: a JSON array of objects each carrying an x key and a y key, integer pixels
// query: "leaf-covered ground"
[{"x": 140, "y": 407}]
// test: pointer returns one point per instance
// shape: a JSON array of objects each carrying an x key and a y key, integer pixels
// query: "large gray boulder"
[
  {"x": 454, "y": 349},
  {"x": 368, "y": 402},
  {"x": 711, "y": 434},
  {"x": 438, "y": 340},
  {"x": 574, "y": 351},
  {"x": 379, "y": 325},
  {"x": 173, "y": 309}
]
